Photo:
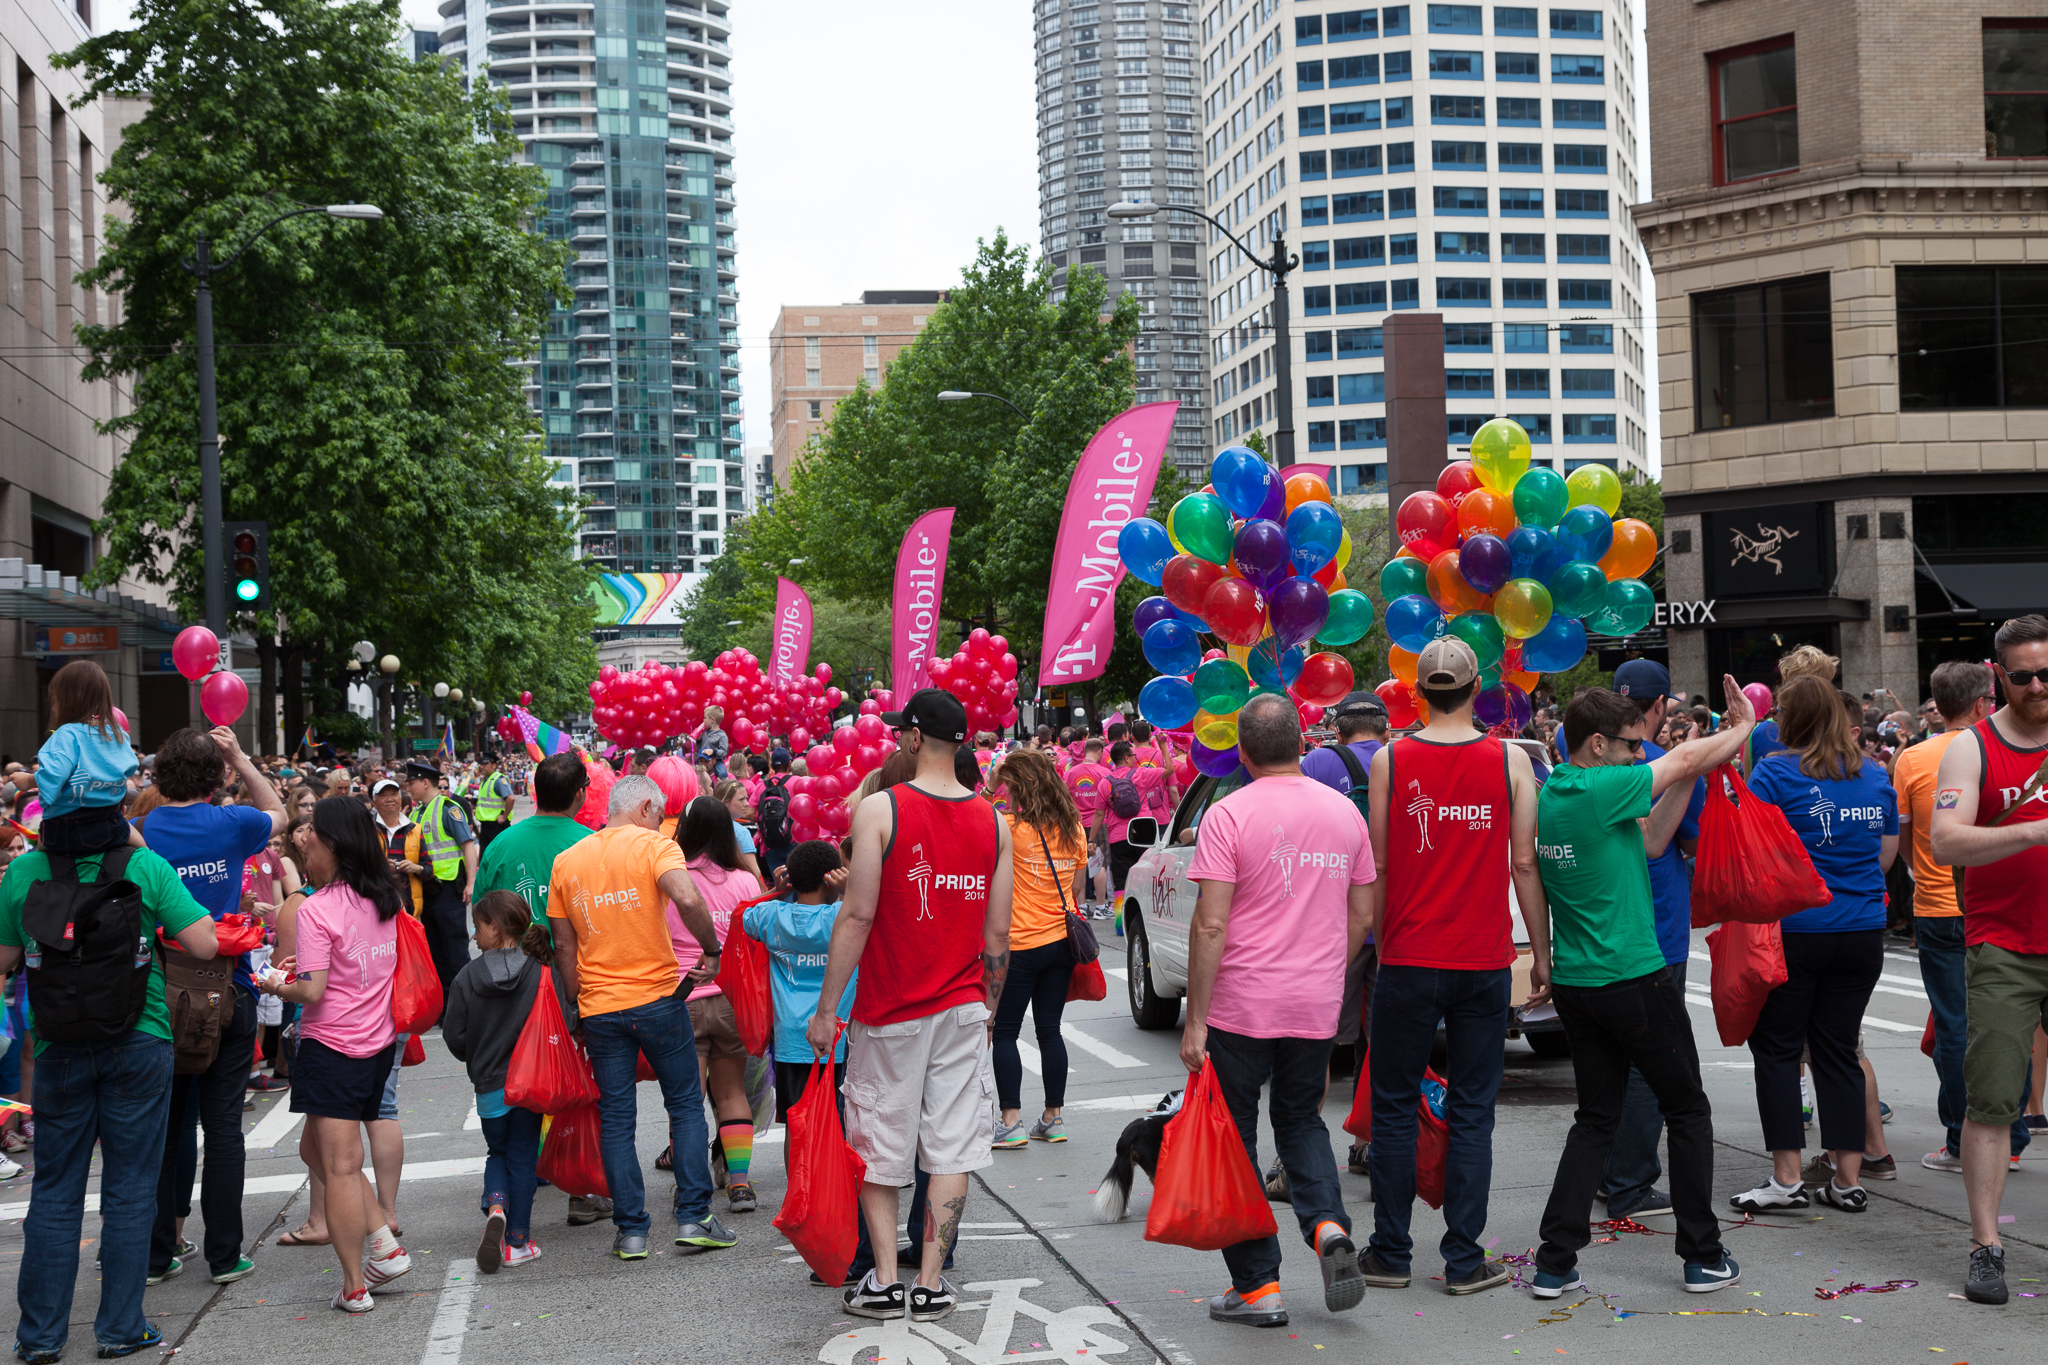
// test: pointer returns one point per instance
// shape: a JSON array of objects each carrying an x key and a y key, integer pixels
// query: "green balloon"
[
  {"x": 1540, "y": 498},
  {"x": 1578, "y": 590},
  {"x": 1201, "y": 524},
  {"x": 1489, "y": 677},
  {"x": 1221, "y": 687},
  {"x": 1630, "y": 606},
  {"x": 1350, "y": 618},
  {"x": 1404, "y": 576},
  {"x": 1479, "y": 630}
]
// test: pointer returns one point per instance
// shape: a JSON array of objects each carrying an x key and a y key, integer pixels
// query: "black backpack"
[
  {"x": 1359, "y": 778},
  {"x": 89, "y": 960},
  {"x": 773, "y": 816},
  {"x": 1125, "y": 801}
]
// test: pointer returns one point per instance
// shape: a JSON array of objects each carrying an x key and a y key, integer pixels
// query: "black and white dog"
[{"x": 1137, "y": 1149}]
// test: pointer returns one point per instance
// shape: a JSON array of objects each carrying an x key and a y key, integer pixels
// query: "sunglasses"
[
  {"x": 2023, "y": 677},
  {"x": 1635, "y": 746}
]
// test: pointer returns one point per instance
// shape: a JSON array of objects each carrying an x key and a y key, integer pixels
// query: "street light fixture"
[
  {"x": 962, "y": 395},
  {"x": 440, "y": 691},
  {"x": 1280, "y": 266}
]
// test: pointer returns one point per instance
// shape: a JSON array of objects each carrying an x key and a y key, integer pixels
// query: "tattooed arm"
[{"x": 995, "y": 929}]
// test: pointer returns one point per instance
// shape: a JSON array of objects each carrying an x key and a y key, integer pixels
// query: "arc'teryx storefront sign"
[{"x": 1767, "y": 551}]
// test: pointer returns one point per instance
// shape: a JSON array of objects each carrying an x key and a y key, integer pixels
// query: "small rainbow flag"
[{"x": 542, "y": 739}]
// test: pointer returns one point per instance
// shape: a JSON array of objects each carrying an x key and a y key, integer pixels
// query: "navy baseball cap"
[{"x": 1642, "y": 680}]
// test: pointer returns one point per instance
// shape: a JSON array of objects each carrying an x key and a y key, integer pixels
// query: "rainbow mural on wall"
[{"x": 639, "y": 599}]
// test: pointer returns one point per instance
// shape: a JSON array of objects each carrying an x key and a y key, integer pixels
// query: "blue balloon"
[
  {"x": 1153, "y": 610},
  {"x": 1584, "y": 534},
  {"x": 1556, "y": 647},
  {"x": 1243, "y": 480},
  {"x": 1168, "y": 703},
  {"x": 1172, "y": 647},
  {"x": 1314, "y": 531},
  {"x": 1532, "y": 553},
  {"x": 1274, "y": 668},
  {"x": 1413, "y": 621},
  {"x": 1144, "y": 547}
]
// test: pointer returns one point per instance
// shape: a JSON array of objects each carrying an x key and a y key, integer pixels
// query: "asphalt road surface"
[{"x": 1046, "y": 1282}]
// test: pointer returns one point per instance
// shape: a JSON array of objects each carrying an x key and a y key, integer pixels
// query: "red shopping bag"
[
  {"x": 743, "y": 976},
  {"x": 1748, "y": 964},
  {"x": 572, "y": 1154},
  {"x": 415, "y": 985},
  {"x": 1358, "y": 1122},
  {"x": 1206, "y": 1194},
  {"x": 415, "y": 1051},
  {"x": 1087, "y": 983},
  {"x": 820, "y": 1211},
  {"x": 1927, "y": 1038},
  {"x": 1432, "y": 1148},
  {"x": 548, "y": 1073},
  {"x": 1751, "y": 867}
]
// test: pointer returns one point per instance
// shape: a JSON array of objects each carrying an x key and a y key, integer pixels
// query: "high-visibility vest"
[
  {"x": 490, "y": 807},
  {"x": 444, "y": 855}
]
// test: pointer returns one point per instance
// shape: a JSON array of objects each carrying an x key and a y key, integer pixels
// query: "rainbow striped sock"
[{"x": 738, "y": 1141}]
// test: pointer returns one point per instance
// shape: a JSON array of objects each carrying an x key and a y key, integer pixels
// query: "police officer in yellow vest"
[
  {"x": 449, "y": 849},
  {"x": 491, "y": 793}
]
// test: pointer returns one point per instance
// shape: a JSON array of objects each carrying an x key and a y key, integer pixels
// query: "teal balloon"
[
  {"x": 1577, "y": 589},
  {"x": 1144, "y": 548},
  {"x": 1201, "y": 524},
  {"x": 1349, "y": 619},
  {"x": 1556, "y": 647},
  {"x": 1168, "y": 703},
  {"x": 1540, "y": 498},
  {"x": 1272, "y": 668},
  {"x": 1629, "y": 607},
  {"x": 1221, "y": 687},
  {"x": 1479, "y": 630},
  {"x": 1584, "y": 534},
  {"x": 1404, "y": 576},
  {"x": 1172, "y": 647}
]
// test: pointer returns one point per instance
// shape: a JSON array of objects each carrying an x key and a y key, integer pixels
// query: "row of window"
[
  {"x": 1512, "y": 111},
  {"x": 1367, "y": 433},
  {"x": 1452, "y": 291},
  {"x": 1326, "y": 390},
  {"x": 1369, "y": 206},
  {"x": 1345, "y": 26},
  {"x": 1566, "y": 68},
  {"x": 1352, "y": 25},
  {"x": 1517, "y": 338},
  {"x": 1354, "y": 252},
  {"x": 1343, "y": 163}
]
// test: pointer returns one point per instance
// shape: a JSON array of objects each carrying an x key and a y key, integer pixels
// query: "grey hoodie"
[{"x": 487, "y": 1006}]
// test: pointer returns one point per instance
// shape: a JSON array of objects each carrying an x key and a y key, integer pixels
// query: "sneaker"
[
  {"x": 1264, "y": 1311},
  {"x": 740, "y": 1197},
  {"x": 32, "y": 1357},
  {"x": 1049, "y": 1130},
  {"x": 12, "y": 1141},
  {"x": 1818, "y": 1171},
  {"x": 1770, "y": 1197},
  {"x": 1375, "y": 1273},
  {"x": 1276, "y": 1182},
  {"x": 151, "y": 1337},
  {"x": 169, "y": 1272},
  {"x": 1705, "y": 1279},
  {"x": 242, "y": 1269},
  {"x": 490, "y": 1248},
  {"x": 359, "y": 1302},
  {"x": 1655, "y": 1204},
  {"x": 873, "y": 1299},
  {"x": 1885, "y": 1167},
  {"x": 1342, "y": 1285},
  {"x": 520, "y": 1255},
  {"x": 266, "y": 1083},
  {"x": 378, "y": 1273},
  {"x": 2013, "y": 1164},
  {"x": 1490, "y": 1275},
  {"x": 586, "y": 1209},
  {"x": 1355, "y": 1159},
  {"x": 187, "y": 1249},
  {"x": 1884, "y": 1112},
  {"x": 1851, "y": 1200},
  {"x": 1549, "y": 1286},
  {"x": 2036, "y": 1123},
  {"x": 630, "y": 1246},
  {"x": 929, "y": 1305},
  {"x": 9, "y": 1167},
  {"x": 706, "y": 1234},
  {"x": 1008, "y": 1138},
  {"x": 1942, "y": 1159},
  {"x": 1986, "y": 1283}
]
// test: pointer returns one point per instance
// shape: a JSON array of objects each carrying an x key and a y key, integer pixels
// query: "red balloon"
[
  {"x": 803, "y": 809},
  {"x": 526, "y": 698},
  {"x": 823, "y": 673},
  {"x": 799, "y": 739},
  {"x": 1235, "y": 611},
  {"x": 1425, "y": 523},
  {"x": 826, "y": 788},
  {"x": 818, "y": 758},
  {"x": 1458, "y": 479},
  {"x": 1309, "y": 712},
  {"x": 1399, "y": 699},
  {"x": 196, "y": 653},
  {"x": 869, "y": 757},
  {"x": 1324, "y": 679},
  {"x": 870, "y": 729},
  {"x": 844, "y": 740},
  {"x": 1186, "y": 582}
]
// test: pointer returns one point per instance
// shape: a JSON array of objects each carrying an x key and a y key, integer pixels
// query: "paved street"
[{"x": 1050, "y": 1284}]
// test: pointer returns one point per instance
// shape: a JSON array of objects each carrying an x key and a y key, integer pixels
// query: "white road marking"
[
  {"x": 451, "y": 1317},
  {"x": 273, "y": 1128},
  {"x": 1900, "y": 985},
  {"x": 1118, "y": 972},
  {"x": 285, "y": 1184},
  {"x": 1705, "y": 1001},
  {"x": 475, "y": 1122},
  {"x": 1096, "y": 1047},
  {"x": 1028, "y": 1056}
]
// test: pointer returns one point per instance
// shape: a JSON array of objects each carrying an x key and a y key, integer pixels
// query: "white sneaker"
[
  {"x": 1941, "y": 1159},
  {"x": 379, "y": 1273},
  {"x": 9, "y": 1167},
  {"x": 360, "y": 1303}
]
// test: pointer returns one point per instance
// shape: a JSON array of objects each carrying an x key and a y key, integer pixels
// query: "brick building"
[
  {"x": 818, "y": 352},
  {"x": 1846, "y": 236}
]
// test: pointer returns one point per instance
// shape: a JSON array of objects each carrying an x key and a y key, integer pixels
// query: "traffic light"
[{"x": 248, "y": 566}]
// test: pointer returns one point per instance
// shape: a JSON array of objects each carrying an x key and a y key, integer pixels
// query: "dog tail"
[{"x": 1113, "y": 1199}]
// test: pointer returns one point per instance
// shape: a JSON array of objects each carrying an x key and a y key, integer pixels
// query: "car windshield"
[{"x": 1218, "y": 788}]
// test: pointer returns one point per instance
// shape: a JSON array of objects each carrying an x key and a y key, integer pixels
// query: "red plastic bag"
[
  {"x": 1927, "y": 1038},
  {"x": 641, "y": 1070},
  {"x": 743, "y": 976},
  {"x": 415, "y": 985},
  {"x": 1358, "y": 1122},
  {"x": 1749, "y": 963},
  {"x": 415, "y": 1051},
  {"x": 234, "y": 934},
  {"x": 572, "y": 1156},
  {"x": 820, "y": 1211},
  {"x": 1432, "y": 1148},
  {"x": 1206, "y": 1194},
  {"x": 548, "y": 1073},
  {"x": 1751, "y": 867},
  {"x": 1087, "y": 983}
]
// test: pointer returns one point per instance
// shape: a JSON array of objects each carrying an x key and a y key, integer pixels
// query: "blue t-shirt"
[
  {"x": 207, "y": 846},
  {"x": 1763, "y": 740},
  {"x": 798, "y": 938},
  {"x": 1670, "y": 879},
  {"x": 1841, "y": 824},
  {"x": 742, "y": 838},
  {"x": 1327, "y": 767},
  {"x": 77, "y": 769}
]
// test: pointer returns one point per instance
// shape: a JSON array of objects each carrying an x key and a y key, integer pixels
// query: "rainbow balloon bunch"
[
  {"x": 1519, "y": 563},
  {"x": 1257, "y": 562}
]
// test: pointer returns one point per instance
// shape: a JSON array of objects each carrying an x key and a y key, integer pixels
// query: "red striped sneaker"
[{"x": 377, "y": 1274}]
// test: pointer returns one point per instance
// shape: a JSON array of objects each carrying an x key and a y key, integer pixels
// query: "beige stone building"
[
  {"x": 1848, "y": 231},
  {"x": 817, "y": 353}
]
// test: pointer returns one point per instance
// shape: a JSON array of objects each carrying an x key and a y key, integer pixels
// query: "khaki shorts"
[
  {"x": 921, "y": 1092},
  {"x": 2008, "y": 998},
  {"x": 718, "y": 1036}
]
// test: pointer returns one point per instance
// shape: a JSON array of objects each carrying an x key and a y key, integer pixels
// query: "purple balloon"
[
  {"x": 1485, "y": 561},
  {"x": 1275, "y": 506},
  {"x": 1261, "y": 553},
  {"x": 1212, "y": 762},
  {"x": 1503, "y": 702},
  {"x": 1153, "y": 610},
  {"x": 1296, "y": 610}
]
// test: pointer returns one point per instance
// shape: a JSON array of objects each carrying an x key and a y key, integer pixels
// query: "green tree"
[{"x": 368, "y": 409}]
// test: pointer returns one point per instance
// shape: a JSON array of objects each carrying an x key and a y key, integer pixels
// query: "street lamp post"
[
  {"x": 386, "y": 701},
  {"x": 203, "y": 266},
  {"x": 962, "y": 395},
  {"x": 1280, "y": 266}
]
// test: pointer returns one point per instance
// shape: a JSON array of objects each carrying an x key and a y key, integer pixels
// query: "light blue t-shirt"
[
  {"x": 1842, "y": 825},
  {"x": 797, "y": 938},
  {"x": 742, "y": 838},
  {"x": 78, "y": 768}
]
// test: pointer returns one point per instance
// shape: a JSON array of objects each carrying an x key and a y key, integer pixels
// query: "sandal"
[
  {"x": 667, "y": 1160},
  {"x": 293, "y": 1239}
]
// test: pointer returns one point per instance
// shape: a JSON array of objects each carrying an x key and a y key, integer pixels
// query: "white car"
[{"x": 1159, "y": 905}]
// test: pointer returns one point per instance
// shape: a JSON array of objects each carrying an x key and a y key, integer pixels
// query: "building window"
[
  {"x": 1585, "y": 293},
  {"x": 1400, "y": 157},
  {"x": 1308, "y": 31},
  {"x": 1537, "y": 424},
  {"x": 1521, "y": 156},
  {"x": 1973, "y": 337},
  {"x": 1593, "y": 428},
  {"x": 2016, "y": 87},
  {"x": 1581, "y": 157},
  {"x": 1362, "y": 298},
  {"x": 1528, "y": 383},
  {"x": 1468, "y": 383},
  {"x": 1578, "y": 246},
  {"x": 1358, "y": 433},
  {"x": 1315, "y": 165},
  {"x": 1315, "y": 299},
  {"x": 1354, "y": 161},
  {"x": 1521, "y": 246},
  {"x": 1463, "y": 291},
  {"x": 1764, "y": 353},
  {"x": 1407, "y": 294},
  {"x": 1522, "y": 203},
  {"x": 1315, "y": 346},
  {"x": 1401, "y": 248},
  {"x": 1516, "y": 112},
  {"x": 1355, "y": 116},
  {"x": 1463, "y": 426},
  {"x": 1401, "y": 203},
  {"x": 1308, "y": 75},
  {"x": 1575, "y": 23},
  {"x": 1354, "y": 70},
  {"x": 1586, "y": 383},
  {"x": 817, "y": 409},
  {"x": 1347, "y": 26},
  {"x": 1468, "y": 336},
  {"x": 1581, "y": 203},
  {"x": 1353, "y": 252},
  {"x": 1322, "y": 435},
  {"x": 1579, "y": 113},
  {"x": 1458, "y": 155},
  {"x": 1463, "y": 246},
  {"x": 1527, "y": 293},
  {"x": 1516, "y": 21},
  {"x": 1308, "y": 121},
  {"x": 1452, "y": 65},
  {"x": 1322, "y": 391},
  {"x": 1470, "y": 199},
  {"x": 1315, "y": 212},
  {"x": 1356, "y": 342},
  {"x": 1366, "y": 478},
  {"x": 1755, "y": 110},
  {"x": 1363, "y": 207},
  {"x": 1454, "y": 19},
  {"x": 1515, "y": 66},
  {"x": 1315, "y": 255},
  {"x": 1362, "y": 388},
  {"x": 1575, "y": 69},
  {"x": 1589, "y": 337},
  {"x": 1525, "y": 338},
  {"x": 1457, "y": 109}
]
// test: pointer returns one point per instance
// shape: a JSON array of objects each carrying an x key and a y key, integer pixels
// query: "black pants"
[
  {"x": 447, "y": 926},
  {"x": 1297, "y": 1070},
  {"x": 220, "y": 1089},
  {"x": 1038, "y": 977},
  {"x": 1123, "y": 854},
  {"x": 1828, "y": 980},
  {"x": 490, "y": 830},
  {"x": 1640, "y": 1024}
]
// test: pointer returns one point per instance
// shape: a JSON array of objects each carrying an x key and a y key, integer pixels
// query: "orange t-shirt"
[
  {"x": 609, "y": 886},
  {"x": 1037, "y": 912},
  {"x": 1934, "y": 887}
]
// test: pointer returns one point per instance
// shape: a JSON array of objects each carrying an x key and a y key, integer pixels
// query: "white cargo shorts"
[{"x": 921, "y": 1089}]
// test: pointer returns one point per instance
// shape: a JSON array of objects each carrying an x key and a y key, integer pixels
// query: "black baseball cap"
[
  {"x": 425, "y": 772},
  {"x": 1360, "y": 704},
  {"x": 936, "y": 712}
]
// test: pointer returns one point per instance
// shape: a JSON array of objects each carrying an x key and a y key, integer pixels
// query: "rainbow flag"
[{"x": 542, "y": 739}]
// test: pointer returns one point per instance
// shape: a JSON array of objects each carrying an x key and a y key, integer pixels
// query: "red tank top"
[
  {"x": 2006, "y": 903},
  {"x": 924, "y": 953},
  {"x": 1447, "y": 856}
]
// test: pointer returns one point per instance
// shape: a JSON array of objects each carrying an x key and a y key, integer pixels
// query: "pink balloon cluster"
[
  {"x": 818, "y": 808},
  {"x": 983, "y": 674},
  {"x": 653, "y": 703}
]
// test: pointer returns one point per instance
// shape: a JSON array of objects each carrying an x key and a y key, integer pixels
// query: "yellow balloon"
[
  {"x": 1344, "y": 550},
  {"x": 1522, "y": 606},
  {"x": 1595, "y": 484},
  {"x": 1239, "y": 655},
  {"x": 1500, "y": 454},
  {"x": 1218, "y": 732}
]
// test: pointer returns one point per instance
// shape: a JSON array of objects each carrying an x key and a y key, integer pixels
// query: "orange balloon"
[
  {"x": 1526, "y": 681},
  {"x": 1483, "y": 510},
  {"x": 1303, "y": 488},
  {"x": 1401, "y": 664},
  {"x": 1339, "y": 583},
  {"x": 1633, "y": 551},
  {"x": 1448, "y": 588}
]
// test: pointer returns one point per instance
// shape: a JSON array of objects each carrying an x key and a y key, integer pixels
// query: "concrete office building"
[
  {"x": 1472, "y": 160},
  {"x": 626, "y": 105},
  {"x": 817, "y": 353},
  {"x": 1118, "y": 120},
  {"x": 1846, "y": 233}
]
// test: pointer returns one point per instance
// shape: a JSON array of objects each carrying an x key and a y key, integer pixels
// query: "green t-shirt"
[
  {"x": 522, "y": 859},
  {"x": 165, "y": 901},
  {"x": 1603, "y": 922}
]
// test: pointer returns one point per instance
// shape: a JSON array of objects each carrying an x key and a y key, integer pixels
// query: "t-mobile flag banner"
[
  {"x": 920, "y": 588},
  {"x": 790, "y": 656},
  {"x": 1112, "y": 483}
]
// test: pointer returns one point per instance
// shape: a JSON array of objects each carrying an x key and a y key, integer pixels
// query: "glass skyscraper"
[{"x": 626, "y": 106}]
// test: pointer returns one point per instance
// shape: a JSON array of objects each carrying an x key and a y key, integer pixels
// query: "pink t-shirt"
[
  {"x": 721, "y": 890},
  {"x": 1089, "y": 782},
  {"x": 1293, "y": 848},
  {"x": 259, "y": 877},
  {"x": 1151, "y": 785},
  {"x": 339, "y": 933}
]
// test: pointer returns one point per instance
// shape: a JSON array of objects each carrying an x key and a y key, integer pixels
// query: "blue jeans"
[
  {"x": 1940, "y": 938},
  {"x": 660, "y": 1031},
  {"x": 1408, "y": 1004},
  {"x": 513, "y": 1142},
  {"x": 1632, "y": 1165},
  {"x": 119, "y": 1095},
  {"x": 1297, "y": 1069}
]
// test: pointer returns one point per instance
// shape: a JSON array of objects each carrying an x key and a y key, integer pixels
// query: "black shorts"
[
  {"x": 333, "y": 1085},
  {"x": 82, "y": 833},
  {"x": 793, "y": 1078}
]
